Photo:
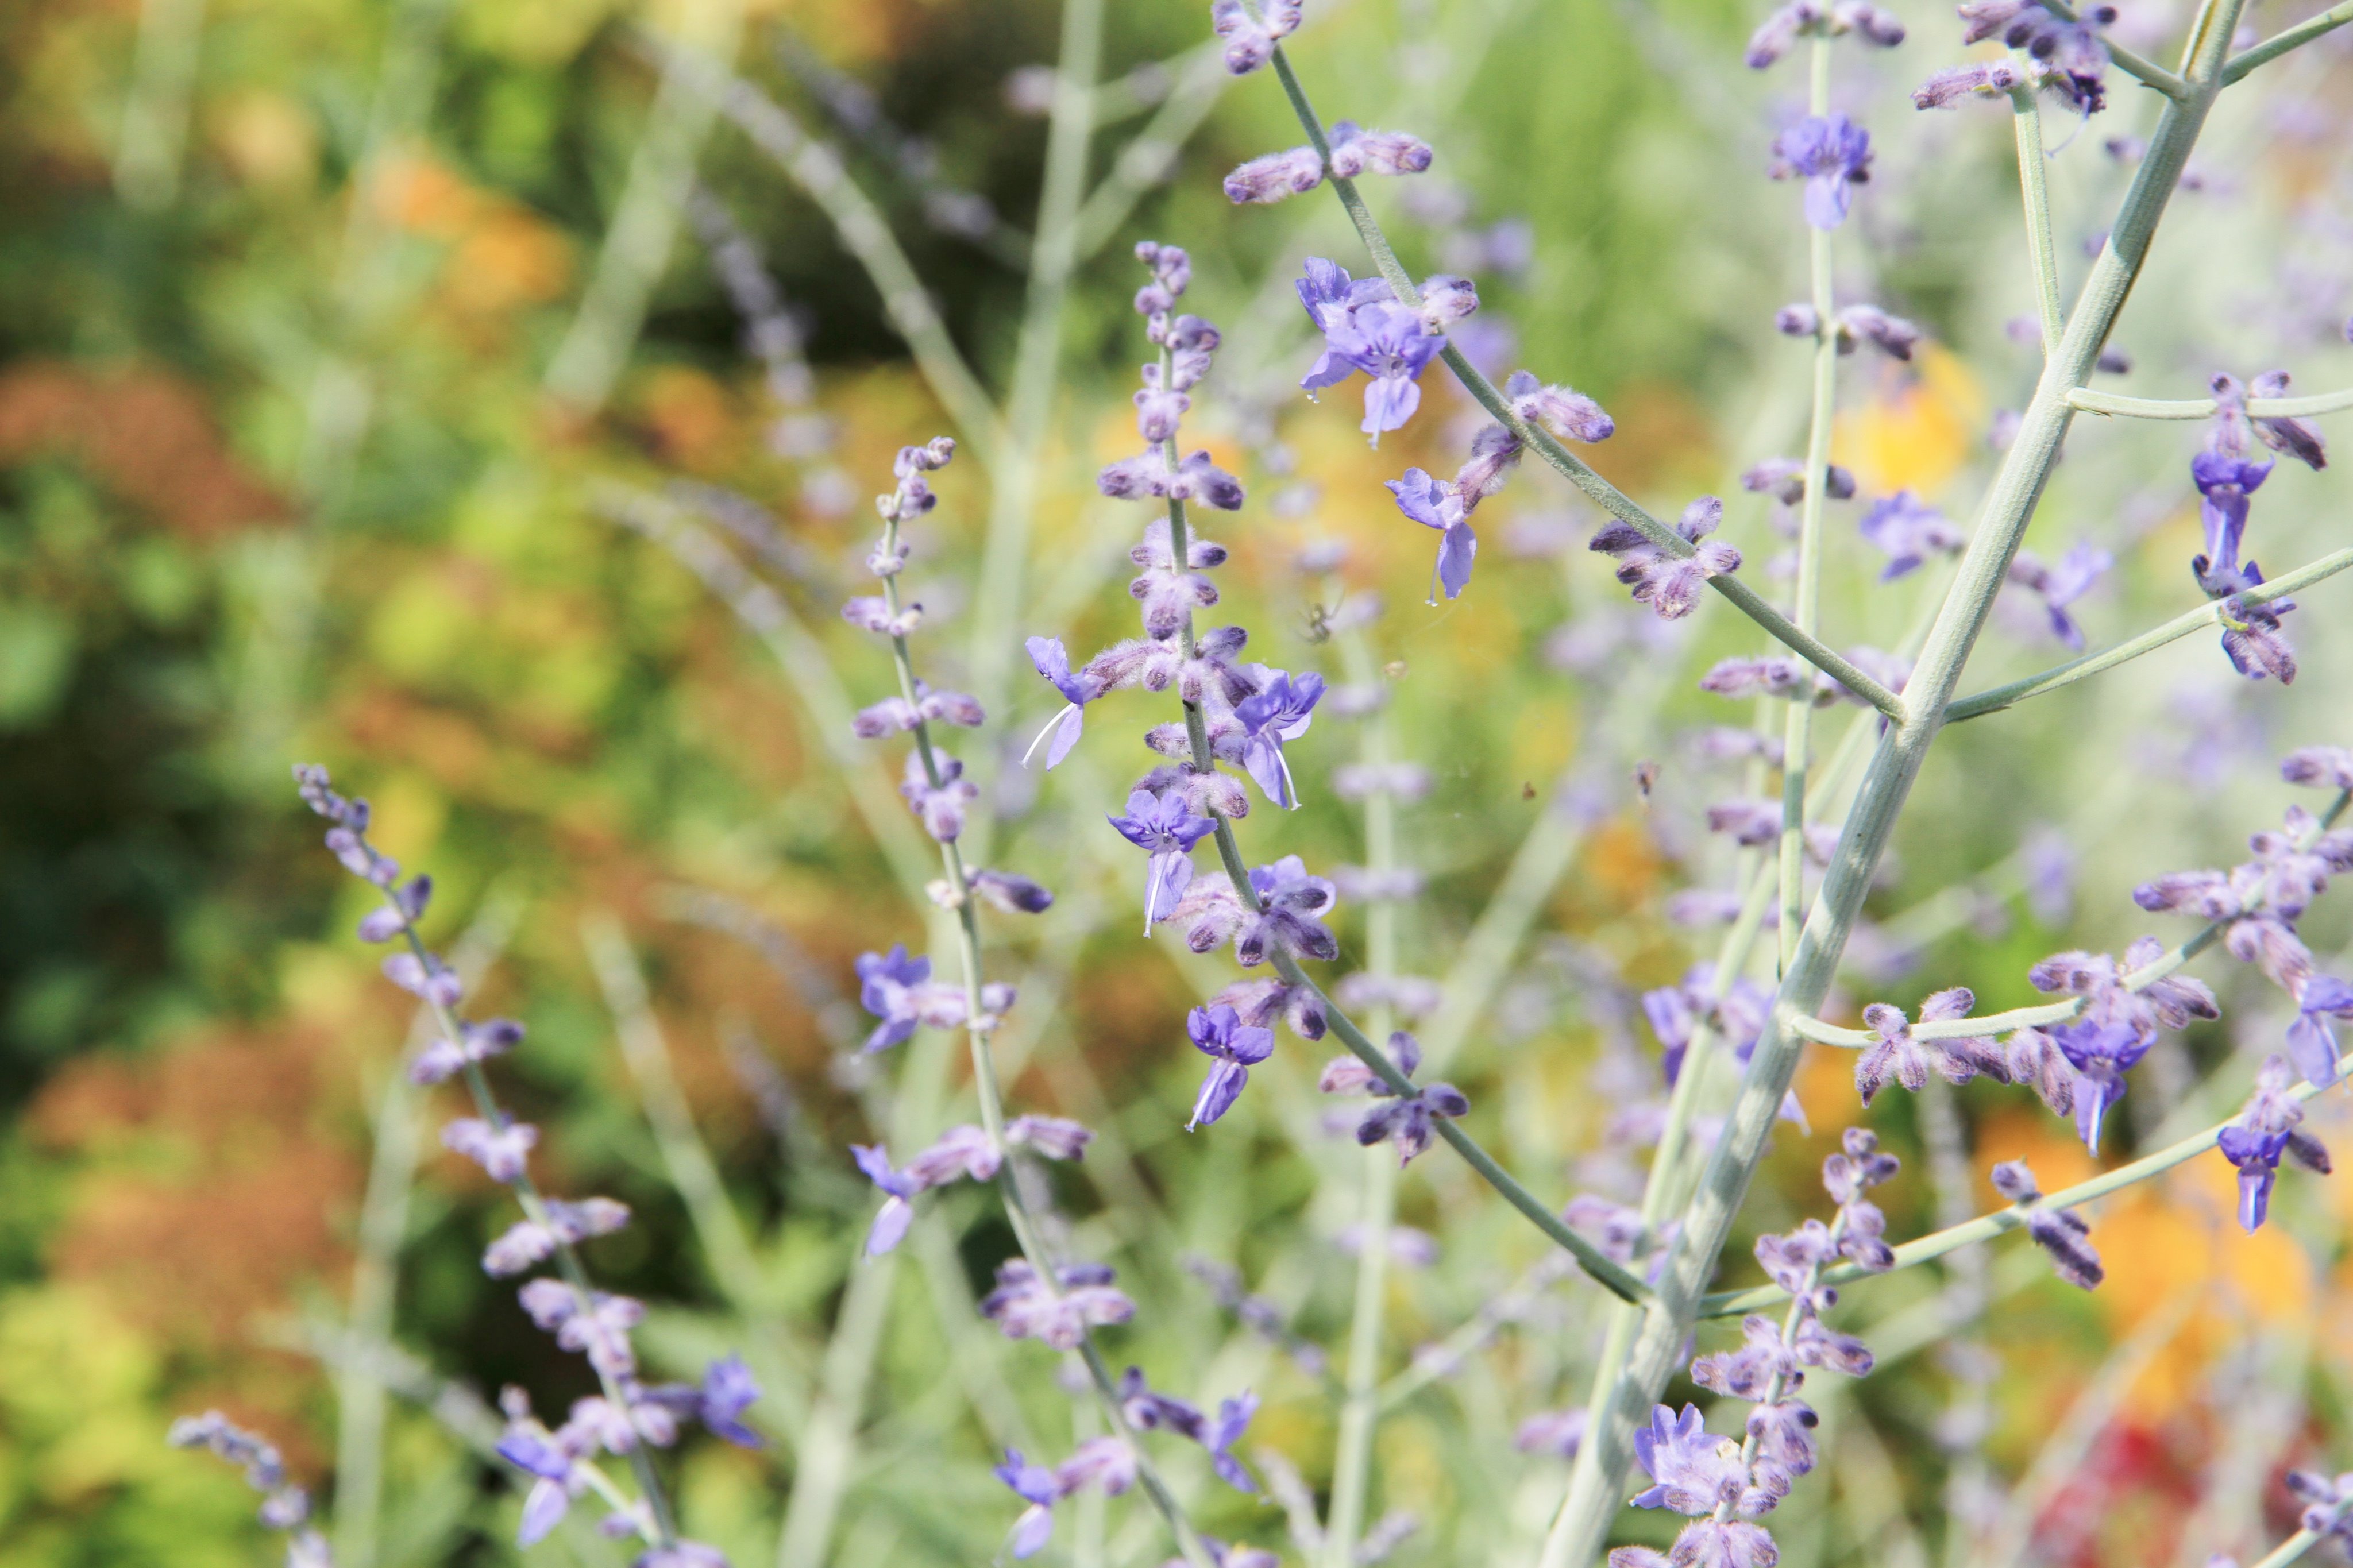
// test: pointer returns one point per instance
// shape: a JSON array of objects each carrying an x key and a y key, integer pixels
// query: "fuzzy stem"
[
  {"x": 2278, "y": 44},
  {"x": 1995, "y": 699},
  {"x": 992, "y": 1106},
  {"x": 2186, "y": 408},
  {"x": 2034, "y": 187},
  {"x": 1798, "y": 731},
  {"x": 1636, "y": 1381},
  {"x": 535, "y": 1208},
  {"x": 1360, "y": 1409}
]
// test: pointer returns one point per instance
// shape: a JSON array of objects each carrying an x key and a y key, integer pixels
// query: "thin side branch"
[
  {"x": 2280, "y": 43},
  {"x": 1986, "y": 1226},
  {"x": 2139, "y": 66},
  {"x": 2092, "y": 402},
  {"x": 1993, "y": 699}
]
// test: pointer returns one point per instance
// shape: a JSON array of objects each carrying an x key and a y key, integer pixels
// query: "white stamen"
[{"x": 1065, "y": 712}]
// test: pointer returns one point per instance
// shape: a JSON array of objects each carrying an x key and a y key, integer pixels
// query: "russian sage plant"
[{"x": 1811, "y": 829}]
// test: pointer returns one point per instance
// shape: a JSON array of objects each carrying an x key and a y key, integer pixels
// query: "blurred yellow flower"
[{"x": 1918, "y": 431}]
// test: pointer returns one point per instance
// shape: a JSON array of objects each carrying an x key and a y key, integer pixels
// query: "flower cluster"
[
  {"x": 1722, "y": 1484},
  {"x": 1814, "y": 19},
  {"x": 961, "y": 1152},
  {"x": 1832, "y": 155},
  {"x": 2062, "y": 55},
  {"x": 1446, "y": 505},
  {"x": 2061, "y": 1233},
  {"x": 591, "y": 1323},
  {"x": 2226, "y": 476},
  {"x": 1669, "y": 583},
  {"x": 1354, "y": 150},
  {"x": 1406, "y": 1120},
  {"x": 284, "y": 1505}
]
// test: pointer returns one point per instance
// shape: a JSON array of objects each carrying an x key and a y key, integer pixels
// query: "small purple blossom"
[
  {"x": 939, "y": 800},
  {"x": 1251, "y": 35},
  {"x": 593, "y": 1322},
  {"x": 1281, "y": 710},
  {"x": 1693, "y": 1470},
  {"x": 1163, "y": 827},
  {"x": 499, "y": 1150},
  {"x": 2312, "y": 1038},
  {"x": 1909, "y": 531},
  {"x": 2061, "y": 585},
  {"x": 1897, "y": 1055},
  {"x": 1025, "y": 1306},
  {"x": 527, "y": 1241},
  {"x": 1832, "y": 155},
  {"x": 728, "y": 1390},
  {"x": 1435, "y": 504},
  {"x": 1218, "y": 1033},
  {"x": 2267, "y": 1129},
  {"x": 2062, "y": 1234},
  {"x": 1668, "y": 583},
  {"x": 444, "y": 1059},
  {"x": 2225, "y": 482},
  {"x": 1407, "y": 1120}
]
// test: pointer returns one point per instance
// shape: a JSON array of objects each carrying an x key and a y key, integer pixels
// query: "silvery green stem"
[
  {"x": 992, "y": 1104},
  {"x": 817, "y": 170},
  {"x": 1229, "y": 854},
  {"x": 1360, "y": 1409},
  {"x": 827, "y": 1450},
  {"x": 2034, "y": 186},
  {"x": 382, "y": 1228},
  {"x": 1598, "y": 1482},
  {"x": 2215, "y": 614},
  {"x": 2092, "y": 402},
  {"x": 1986, "y": 1226},
  {"x": 2288, "y": 1551},
  {"x": 644, "y": 225},
  {"x": 567, "y": 1257},
  {"x": 1797, "y": 732},
  {"x": 2280, "y": 43},
  {"x": 1568, "y": 464},
  {"x": 1013, "y": 482}
]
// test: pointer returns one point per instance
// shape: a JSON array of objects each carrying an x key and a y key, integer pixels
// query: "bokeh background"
[{"x": 335, "y": 353}]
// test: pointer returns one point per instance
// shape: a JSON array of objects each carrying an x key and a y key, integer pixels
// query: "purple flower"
[
  {"x": 1218, "y": 1033},
  {"x": 2311, "y": 1039},
  {"x": 1892, "y": 335},
  {"x": 2265, "y": 1131},
  {"x": 1251, "y": 40},
  {"x": 445, "y": 1058},
  {"x": 592, "y": 1322},
  {"x": 1833, "y": 154},
  {"x": 728, "y": 1390},
  {"x": 405, "y": 906},
  {"x": 527, "y": 1242},
  {"x": 2063, "y": 584},
  {"x": 498, "y": 1150},
  {"x": 1695, "y": 1470},
  {"x": 555, "y": 1481},
  {"x": 2224, "y": 482},
  {"x": 1078, "y": 689},
  {"x": 1435, "y": 504},
  {"x": 1273, "y": 176},
  {"x": 1026, "y": 1306},
  {"x": 1168, "y": 594},
  {"x": 1356, "y": 151},
  {"x": 1407, "y": 1119},
  {"x": 1563, "y": 410},
  {"x": 1013, "y": 893},
  {"x": 2066, "y": 55},
  {"x": 939, "y": 803},
  {"x": 2061, "y": 1233},
  {"x": 1233, "y": 1420},
  {"x": 2319, "y": 767},
  {"x": 1037, "y": 1486},
  {"x": 426, "y": 977},
  {"x": 1992, "y": 79},
  {"x": 1670, "y": 583},
  {"x": 1162, "y": 827},
  {"x": 2294, "y": 437},
  {"x": 959, "y": 1152},
  {"x": 1910, "y": 531},
  {"x": 1146, "y": 476},
  {"x": 1908, "y": 1061},
  {"x": 1559, "y": 1433},
  {"x": 887, "y": 987},
  {"x": 1281, "y": 710},
  {"x": 1288, "y": 901}
]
